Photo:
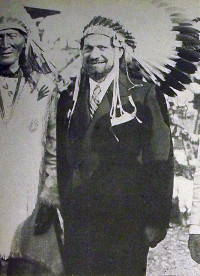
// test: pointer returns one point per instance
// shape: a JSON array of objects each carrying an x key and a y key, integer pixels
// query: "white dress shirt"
[{"x": 104, "y": 85}]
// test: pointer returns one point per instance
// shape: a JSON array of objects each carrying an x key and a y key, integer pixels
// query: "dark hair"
[
  {"x": 25, "y": 67},
  {"x": 28, "y": 65}
]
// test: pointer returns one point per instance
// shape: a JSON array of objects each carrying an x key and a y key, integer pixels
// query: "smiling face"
[
  {"x": 11, "y": 45},
  {"x": 98, "y": 56}
]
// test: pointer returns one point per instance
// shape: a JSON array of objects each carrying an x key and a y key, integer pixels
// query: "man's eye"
[
  {"x": 102, "y": 47},
  {"x": 12, "y": 36},
  {"x": 88, "y": 49}
]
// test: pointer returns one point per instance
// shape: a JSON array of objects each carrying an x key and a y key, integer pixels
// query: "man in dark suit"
[{"x": 114, "y": 159}]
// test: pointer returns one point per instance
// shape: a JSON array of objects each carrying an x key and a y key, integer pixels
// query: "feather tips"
[
  {"x": 175, "y": 72},
  {"x": 186, "y": 57}
]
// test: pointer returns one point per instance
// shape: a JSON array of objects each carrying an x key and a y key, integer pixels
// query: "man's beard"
[{"x": 99, "y": 75}]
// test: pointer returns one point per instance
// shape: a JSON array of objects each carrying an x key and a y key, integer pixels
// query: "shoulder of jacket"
[
  {"x": 142, "y": 92},
  {"x": 48, "y": 80},
  {"x": 68, "y": 90}
]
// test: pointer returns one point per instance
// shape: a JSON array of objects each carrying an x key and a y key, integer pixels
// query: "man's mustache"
[
  {"x": 96, "y": 61},
  {"x": 5, "y": 50}
]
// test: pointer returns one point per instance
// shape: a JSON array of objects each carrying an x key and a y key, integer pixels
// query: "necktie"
[{"x": 94, "y": 101}]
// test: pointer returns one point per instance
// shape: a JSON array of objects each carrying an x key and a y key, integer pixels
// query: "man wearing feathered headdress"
[
  {"x": 27, "y": 124},
  {"x": 114, "y": 158}
]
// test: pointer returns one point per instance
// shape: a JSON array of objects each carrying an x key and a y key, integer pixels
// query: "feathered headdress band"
[
  {"x": 12, "y": 23},
  {"x": 105, "y": 26},
  {"x": 103, "y": 30}
]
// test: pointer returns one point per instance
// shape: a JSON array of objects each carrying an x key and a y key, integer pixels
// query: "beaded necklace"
[{"x": 17, "y": 94}]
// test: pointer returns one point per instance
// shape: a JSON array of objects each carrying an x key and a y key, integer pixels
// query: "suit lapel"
[
  {"x": 81, "y": 122},
  {"x": 80, "y": 118}
]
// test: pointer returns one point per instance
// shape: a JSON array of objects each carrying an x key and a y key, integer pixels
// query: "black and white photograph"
[{"x": 99, "y": 138}]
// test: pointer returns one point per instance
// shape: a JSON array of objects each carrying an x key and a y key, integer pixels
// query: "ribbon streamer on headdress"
[{"x": 116, "y": 100}]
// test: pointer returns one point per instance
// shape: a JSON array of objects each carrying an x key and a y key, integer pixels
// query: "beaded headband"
[
  {"x": 103, "y": 30},
  {"x": 10, "y": 23}
]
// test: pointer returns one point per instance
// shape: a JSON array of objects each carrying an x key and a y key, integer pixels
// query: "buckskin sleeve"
[{"x": 49, "y": 193}]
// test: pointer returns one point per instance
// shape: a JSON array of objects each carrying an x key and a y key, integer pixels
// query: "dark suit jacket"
[
  {"x": 113, "y": 180},
  {"x": 131, "y": 158}
]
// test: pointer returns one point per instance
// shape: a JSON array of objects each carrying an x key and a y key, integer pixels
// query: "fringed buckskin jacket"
[{"x": 34, "y": 126}]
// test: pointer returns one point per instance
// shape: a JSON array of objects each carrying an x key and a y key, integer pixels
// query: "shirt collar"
[
  {"x": 14, "y": 69},
  {"x": 104, "y": 85}
]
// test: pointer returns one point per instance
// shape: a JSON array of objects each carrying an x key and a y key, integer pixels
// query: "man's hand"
[
  {"x": 44, "y": 219},
  {"x": 154, "y": 235},
  {"x": 194, "y": 246}
]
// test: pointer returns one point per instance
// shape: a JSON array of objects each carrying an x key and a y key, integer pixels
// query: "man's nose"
[
  {"x": 95, "y": 53},
  {"x": 4, "y": 42}
]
